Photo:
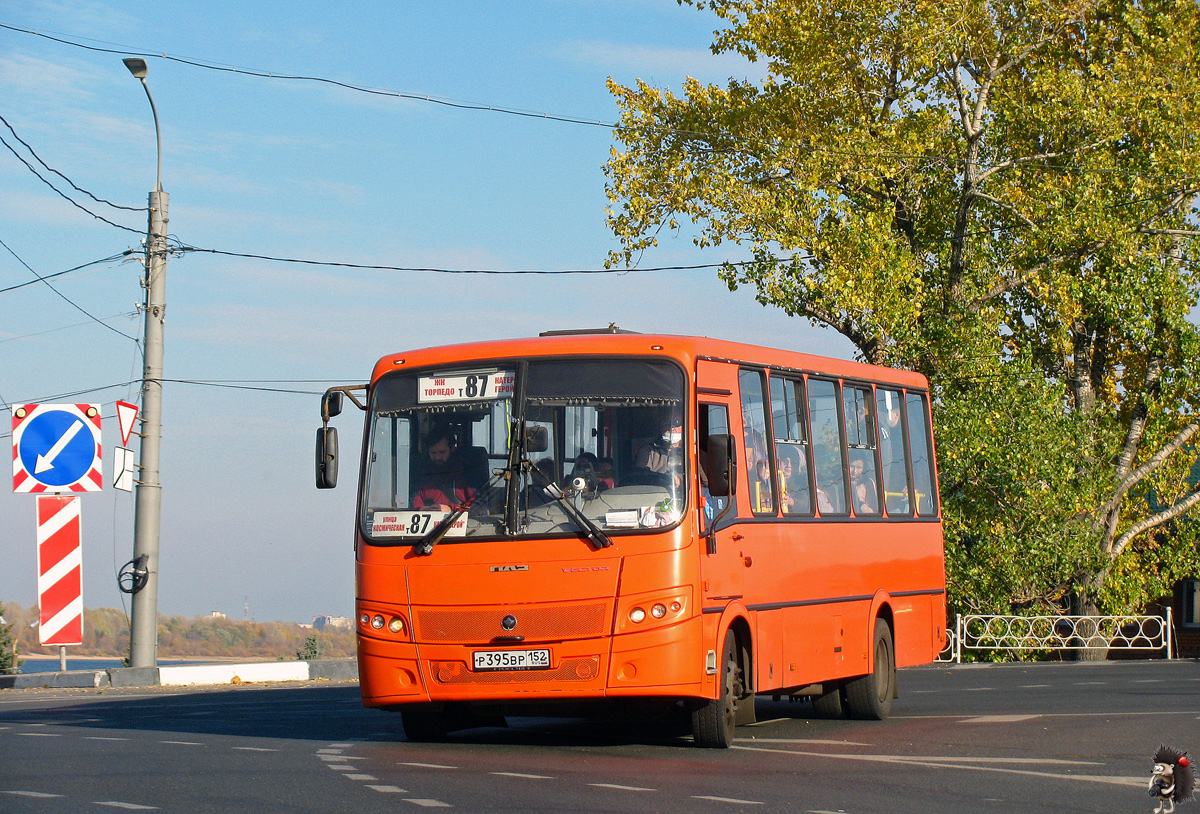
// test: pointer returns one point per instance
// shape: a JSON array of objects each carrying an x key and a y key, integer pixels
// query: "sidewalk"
[{"x": 188, "y": 675}]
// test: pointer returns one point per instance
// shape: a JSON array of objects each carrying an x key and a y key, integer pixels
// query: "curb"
[{"x": 188, "y": 675}]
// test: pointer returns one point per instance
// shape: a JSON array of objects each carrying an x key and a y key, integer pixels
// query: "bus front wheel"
[
  {"x": 713, "y": 722},
  {"x": 423, "y": 724},
  {"x": 870, "y": 697}
]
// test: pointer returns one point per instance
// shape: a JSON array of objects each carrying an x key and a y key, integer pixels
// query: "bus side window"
[
  {"x": 860, "y": 442},
  {"x": 891, "y": 450},
  {"x": 917, "y": 409},
  {"x": 791, "y": 446},
  {"x": 713, "y": 425},
  {"x": 828, "y": 462},
  {"x": 754, "y": 427}
]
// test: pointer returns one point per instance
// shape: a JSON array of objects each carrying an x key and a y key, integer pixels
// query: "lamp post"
[{"x": 143, "y": 627}]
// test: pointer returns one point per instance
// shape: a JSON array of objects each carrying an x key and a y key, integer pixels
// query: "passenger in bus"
[
  {"x": 862, "y": 488},
  {"x": 661, "y": 461},
  {"x": 758, "y": 469},
  {"x": 793, "y": 480},
  {"x": 444, "y": 485}
]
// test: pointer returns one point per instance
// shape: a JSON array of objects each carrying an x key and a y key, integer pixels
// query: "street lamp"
[{"x": 143, "y": 626}]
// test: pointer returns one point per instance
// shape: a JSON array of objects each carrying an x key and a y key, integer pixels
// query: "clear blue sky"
[{"x": 308, "y": 170}]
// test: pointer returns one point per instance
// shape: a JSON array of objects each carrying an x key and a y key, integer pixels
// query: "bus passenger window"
[
  {"x": 922, "y": 455},
  {"x": 828, "y": 462},
  {"x": 791, "y": 445},
  {"x": 891, "y": 451},
  {"x": 754, "y": 426},
  {"x": 860, "y": 441}
]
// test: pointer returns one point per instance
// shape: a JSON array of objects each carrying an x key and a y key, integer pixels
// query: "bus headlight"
[
  {"x": 377, "y": 622},
  {"x": 658, "y": 611},
  {"x": 396, "y": 625},
  {"x": 637, "y": 615}
]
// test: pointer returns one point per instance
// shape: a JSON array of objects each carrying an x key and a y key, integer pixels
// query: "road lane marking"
[
  {"x": 329, "y": 751},
  {"x": 1090, "y": 683},
  {"x": 341, "y": 745},
  {"x": 619, "y": 788},
  {"x": 340, "y": 767},
  {"x": 254, "y": 749},
  {"x": 129, "y": 806},
  {"x": 388, "y": 789},
  {"x": 39, "y": 734},
  {"x": 338, "y": 758},
  {"x": 427, "y": 765},
  {"x": 426, "y": 803},
  {"x": 1035, "y": 686},
  {"x": 360, "y": 777},
  {"x": 998, "y": 719},
  {"x": 182, "y": 743},
  {"x": 970, "y": 764},
  {"x": 525, "y": 776},
  {"x": 727, "y": 800},
  {"x": 38, "y": 794},
  {"x": 102, "y": 738}
]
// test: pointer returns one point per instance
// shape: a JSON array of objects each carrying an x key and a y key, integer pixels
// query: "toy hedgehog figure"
[{"x": 1172, "y": 780}]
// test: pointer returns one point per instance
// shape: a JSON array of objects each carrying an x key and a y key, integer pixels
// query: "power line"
[
  {"x": 183, "y": 248},
  {"x": 590, "y": 122},
  {"x": 61, "y": 328},
  {"x": 63, "y": 195},
  {"x": 65, "y": 178},
  {"x": 43, "y": 278},
  {"x": 64, "y": 296}
]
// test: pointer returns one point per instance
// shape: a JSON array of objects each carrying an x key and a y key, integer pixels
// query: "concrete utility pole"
[{"x": 143, "y": 633}]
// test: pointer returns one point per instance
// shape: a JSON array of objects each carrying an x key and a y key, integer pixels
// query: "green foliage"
[
  {"x": 8, "y": 659},
  {"x": 1002, "y": 197},
  {"x": 312, "y": 649}
]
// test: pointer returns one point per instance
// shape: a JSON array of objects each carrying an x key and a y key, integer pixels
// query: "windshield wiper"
[
  {"x": 590, "y": 529},
  {"x": 424, "y": 546}
]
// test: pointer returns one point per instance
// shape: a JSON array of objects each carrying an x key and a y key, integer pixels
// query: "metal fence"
[{"x": 1056, "y": 633}]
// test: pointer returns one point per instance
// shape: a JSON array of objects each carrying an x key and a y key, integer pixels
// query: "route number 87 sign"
[{"x": 56, "y": 448}]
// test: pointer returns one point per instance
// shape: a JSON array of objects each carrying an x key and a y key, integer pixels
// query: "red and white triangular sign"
[{"x": 126, "y": 413}]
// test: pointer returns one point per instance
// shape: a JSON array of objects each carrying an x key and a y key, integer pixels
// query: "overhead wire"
[
  {"x": 183, "y": 248},
  {"x": 76, "y": 187},
  {"x": 65, "y": 298},
  {"x": 513, "y": 111},
  {"x": 43, "y": 278},
  {"x": 62, "y": 194}
]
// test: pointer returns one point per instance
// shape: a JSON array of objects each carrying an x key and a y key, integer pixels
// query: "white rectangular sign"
[
  {"x": 123, "y": 469},
  {"x": 415, "y": 524},
  {"x": 482, "y": 385}
]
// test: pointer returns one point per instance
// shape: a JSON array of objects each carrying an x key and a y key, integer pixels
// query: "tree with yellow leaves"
[{"x": 1002, "y": 196}]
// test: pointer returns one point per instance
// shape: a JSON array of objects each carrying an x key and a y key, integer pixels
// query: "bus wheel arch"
[{"x": 714, "y": 720}]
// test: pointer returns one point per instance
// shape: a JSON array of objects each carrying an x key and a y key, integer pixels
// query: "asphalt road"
[{"x": 1050, "y": 737}]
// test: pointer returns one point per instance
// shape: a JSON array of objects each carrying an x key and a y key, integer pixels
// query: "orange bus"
[{"x": 604, "y": 516}]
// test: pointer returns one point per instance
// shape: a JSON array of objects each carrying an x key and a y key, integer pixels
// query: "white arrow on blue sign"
[{"x": 56, "y": 447}]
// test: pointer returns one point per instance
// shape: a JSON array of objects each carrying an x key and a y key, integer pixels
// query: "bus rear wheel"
[
  {"x": 870, "y": 697},
  {"x": 714, "y": 722}
]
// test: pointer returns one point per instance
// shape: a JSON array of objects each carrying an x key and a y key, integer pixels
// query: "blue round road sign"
[{"x": 57, "y": 448}]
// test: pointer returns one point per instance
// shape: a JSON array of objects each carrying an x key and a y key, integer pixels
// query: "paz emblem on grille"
[{"x": 508, "y": 622}]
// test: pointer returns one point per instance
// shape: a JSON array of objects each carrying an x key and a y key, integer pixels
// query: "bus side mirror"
[
  {"x": 722, "y": 466},
  {"x": 327, "y": 456},
  {"x": 331, "y": 404}
]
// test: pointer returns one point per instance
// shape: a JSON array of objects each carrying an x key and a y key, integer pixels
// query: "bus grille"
[
  {"x": 573, "y": 669},
  {"x": 534, "y": 623}
]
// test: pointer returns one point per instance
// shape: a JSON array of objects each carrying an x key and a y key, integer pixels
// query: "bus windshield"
[{"x": 600, "y": 444}]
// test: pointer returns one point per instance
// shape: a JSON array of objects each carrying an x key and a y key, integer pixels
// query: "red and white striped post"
[{"x": 60, "y": 573}]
